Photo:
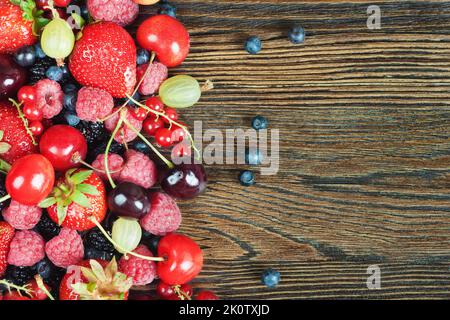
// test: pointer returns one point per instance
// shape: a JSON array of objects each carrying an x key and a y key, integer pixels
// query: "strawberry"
[
  {"x": 105, "y": 58},
  {"x": 15, "y": 142},
  {"x": 19, "y": 20},
  {"x": 6, "y": 236},
  {"x": 78, "y": 196}
]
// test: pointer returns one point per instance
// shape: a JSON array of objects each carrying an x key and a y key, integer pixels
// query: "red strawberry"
[
  {"x": 15, "y": 142},
  {"x": 17, "y": 22},
  {"x": 6, "y": 236},
  {"x": 79, "y": 195},
  {"x": 105, "y": 58}
]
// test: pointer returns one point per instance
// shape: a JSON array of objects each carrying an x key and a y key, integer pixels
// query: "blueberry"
[
  {"x": 141, "y": 147},
  {"x": 259, "y": 123},
  {"x": 70, "y": 87},
  {"x": 84, "y": 13},
  {"x": 39, "y": 52},
  {"x": 168, "y": 9},
  {"x": 54, "y": 73},
  {"x": 270, "y": 278},
  {"x": 136, "y": 97},
  {"x": 253, "y": 45},
  {"x": 65, "y": 71},
  {"x": 25, "y": 56},
  {"x": 253, "y": 157},
  {"x": 142, "y": 56},
  {"x": 247, "y": 178},
  {"x": 70, "y": 100},
  {"x": 72, "y": 119},
  {"x": 297, "y": 35},
  {"x": 44, "y": 268},
  {"x": 151, "y": 241}
]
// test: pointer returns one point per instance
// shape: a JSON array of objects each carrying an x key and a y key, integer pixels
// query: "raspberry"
[
  {"x": 142, "y": 271},
  {"x": 66, "y": 249},
  {"x": 115, "y": 163},
  {"x": 155, "y": 77},
  {"x": 122, "y": 12},
  {"x": 49, "y": 97},
  {"x": 21, "y": 216},
  {"x": 93, "y": 104},
  {"x": 26, "y": 249},
  {"x": 163, "y": 217},
  {"x": 138, "y": 169},
  {"x": 125, "y": 134}
]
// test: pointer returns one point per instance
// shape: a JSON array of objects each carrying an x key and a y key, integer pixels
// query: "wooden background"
[{"x": 364, "y": 122}]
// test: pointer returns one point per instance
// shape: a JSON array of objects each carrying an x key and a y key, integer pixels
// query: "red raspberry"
[
  {"x": 21, "y": 216},
  {"x": 49, "y": 97},
  {"x": 125, "y": 134},
  {"x": 142, "y": 271},
  {"x": 155, "y": 77},
  {"x": 122, "y": 12},
  {"x": 163, "y": 217},
  {"x": 26, "y": 249},
  {"x": 139, "y": 169},
  {"x": 93, "y": 104},
  {"x": 115, "y": 164},
  {"x": 65, "y": 249}
]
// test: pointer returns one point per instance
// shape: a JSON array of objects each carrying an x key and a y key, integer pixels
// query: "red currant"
[
  {"x": 163, "y": 137},
  {"x": 171, "y": 114},
  {"x": 27, "y": 94},
  {"x": 62, "y": 3},
  {"x": 32, "y": 112},
  {"x": 206, "y": 295},
  {"x": 139, "y": 114},
  {"x": 178, "y": 133},
  {"x": 155, "y": 104},
  {"x": 152, "y": 124},
  {"x": 181, "y": 150},
  {"x": 36, "y": 128},
  {"x": 164, "y": 291},
  {"x": 41, "y": 3}
]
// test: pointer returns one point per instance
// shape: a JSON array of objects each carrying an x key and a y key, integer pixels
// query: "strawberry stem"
[
  {"x": 3, "y": 199},
  {"x": 126, "y": 252}
]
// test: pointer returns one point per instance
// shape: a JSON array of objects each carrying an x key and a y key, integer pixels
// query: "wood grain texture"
[{"x": 365, "y": 147}]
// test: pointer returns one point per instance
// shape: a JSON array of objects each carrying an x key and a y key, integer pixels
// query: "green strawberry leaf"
[
  {"x": 80, "y": 199},
  {"x": 39, "y": 24},
  {"x": 27, "y": 7},
  {"x": 81, "y": 176},
  {"x": 88, "y": 189},
  {"x": 62, "y": 213},
  {"x": 46, "y": 203},
  {"x": 15, "y": 2},
  {"x": 4, "y": 147}
]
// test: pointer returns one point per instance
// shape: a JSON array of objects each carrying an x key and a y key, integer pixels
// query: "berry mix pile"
[{"x": 87, "y": 197}]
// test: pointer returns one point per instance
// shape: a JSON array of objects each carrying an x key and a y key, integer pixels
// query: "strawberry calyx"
[
  {"x": 32, "y": 13},
  {"x": 103, "y": 283},
  {"x": 70, "y": 190}
]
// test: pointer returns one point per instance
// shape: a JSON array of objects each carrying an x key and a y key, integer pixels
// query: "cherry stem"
[
  {"x": 41, "y": 285},
  {"x": 108, "y": 147},
  {"x": 207, "y": 86},
  {"x": 3, "y": 199},
  {"x": 120, "y": 248},
  {"x": 19, "y": 289},
  {"x": 136, "y": 131},
  {"x": 181, "y": 294},
  {"x": 24, "y": 120}
]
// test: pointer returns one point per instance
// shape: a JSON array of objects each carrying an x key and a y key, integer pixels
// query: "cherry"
[
  {"x": 32, "y": 112},
  {"x": 30, "y": 179},
  {"x": 64, "y": 146},
  {"x": 128, "y": 200},
  {"x": 12, "y": 76},
  {"x": 171, "y": 114},
  {"x": 185, "y": 181},
  {"x": 183, "y": 259},
  {"x": 152, "y": 124},
  {"x": 206, "y": 295},
  {"x": 167, "y": 37},
  {"x": 27, "y": 94},
  {"x": 36, "y": 128},
  {"x": 139, "y": 114},
  {"x": 163, "y": 137},
  {"x": 41, "y": 3},
  {"x": 155, "y": 104}
]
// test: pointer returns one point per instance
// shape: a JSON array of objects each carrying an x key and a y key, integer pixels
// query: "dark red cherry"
[
  {"x": 129, "y": 200},
  {"x": 185, "y": 181},
  {"x": 12, "y": 77}
]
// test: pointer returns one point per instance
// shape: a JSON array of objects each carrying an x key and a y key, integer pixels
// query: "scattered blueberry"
[
  {"x": 253, "y": 45},
  {"x": 259, "y": 123},
  {"x": 72, "y": 119},
  {"x": 54, "y": 73},
  {"x": 151, "y": 241},
  {"x": 65, "y": 71},
  {"x": 253, "y": 157},
  {"x": 142, "y": 56},
  {"x": 297, "y": 35},
  {"x": 44, "y": 268},
  {"x": 136, "y": 97},
  {"x": 70, "y": 87},
  {"x": 25, "y": 56},
  {"x": 84, "y": 13},
  {"x": 270, "y": 278},
  {"x": 247, "y": 178},
  {"x": 140, "y": 146},
  {"x": 39, "y": 52},
  {"x": 169, "y": 9}
]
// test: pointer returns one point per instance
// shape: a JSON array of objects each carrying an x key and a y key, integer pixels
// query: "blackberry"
[
  {"x": 47, "y": 228},
  {"x": 95, "y": 239},
  {"x": 94, "y": 132},
  {"x": 3, "y": 193},
  {"x": 93, "y": 253},
  {"x": 19, "y": 275},
  {"x": 37, "y": 71}
]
